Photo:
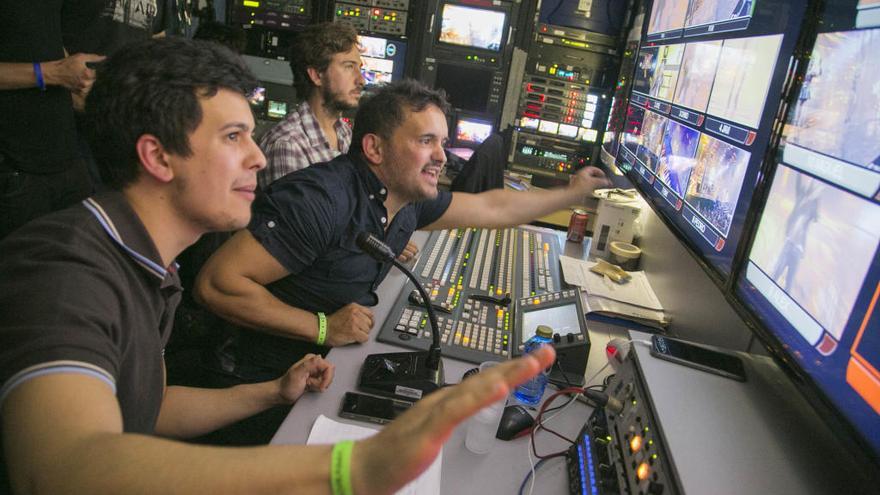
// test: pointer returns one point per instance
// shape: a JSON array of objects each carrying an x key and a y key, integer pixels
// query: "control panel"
[
  {"x": 621, "y": 447},
  {"x": 289, "y": 15},
  {"x": 376, "y": 16},
  {"x": 472, "y": 277},
  {"x": 545, "y": 156}
]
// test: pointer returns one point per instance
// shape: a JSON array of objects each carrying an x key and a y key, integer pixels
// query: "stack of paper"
[
  {"x": 326, "y": 431},
  {"x": 634, "y": 300}
]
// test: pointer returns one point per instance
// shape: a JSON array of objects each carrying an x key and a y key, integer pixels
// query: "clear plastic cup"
[{"x": 481, "y": 428}]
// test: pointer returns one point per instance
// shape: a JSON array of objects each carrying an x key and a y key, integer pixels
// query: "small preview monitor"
[
  {"x": 676, "y": 159},
  {"x": 472, "y": 27},
  {"x": 716, "y": 181},
  {"x": 667, "y": 15},
  {"x": 742, "y": 80},
  {"x": 383, "y": 59},
  {"x": 276, "y": 109},
  {"x": 563, "y": 319},
  {"x": 698, "y": 65},
  {"x": 716, "y": 11},
  {"x": 837, "y": 114},
  {"x": 666, "y": 72},
  {"x": 646, "y": 69},
  {"x": 470, "y": 131},
  {"x": 529, "y": 123},
  {"x": 257, "y": 98}
]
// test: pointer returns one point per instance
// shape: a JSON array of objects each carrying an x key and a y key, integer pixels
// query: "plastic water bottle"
[{"x": 531, "y": 392}]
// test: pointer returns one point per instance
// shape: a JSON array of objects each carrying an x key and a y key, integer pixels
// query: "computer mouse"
[{"x": 515, "y": 421}]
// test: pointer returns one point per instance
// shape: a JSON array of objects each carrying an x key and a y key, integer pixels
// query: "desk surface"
[{"x": 505, "y": 466}]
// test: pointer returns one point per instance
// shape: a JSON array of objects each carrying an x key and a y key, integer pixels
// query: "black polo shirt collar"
[
  {"x": 374, "y": 186},
  {"x": 122, "y": 224}
]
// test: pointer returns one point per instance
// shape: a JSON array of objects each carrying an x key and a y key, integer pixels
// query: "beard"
[{"x": 334, "y": 102}]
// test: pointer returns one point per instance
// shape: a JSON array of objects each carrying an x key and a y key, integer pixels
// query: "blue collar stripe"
[{"x": 108, "y": 226}]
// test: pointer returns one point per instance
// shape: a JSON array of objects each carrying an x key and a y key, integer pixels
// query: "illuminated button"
[
  {"x": 643, "y": 471},
  {"x": 500, "y": 313},
  {"x": 451, "y": 291},
  {"x": 635, "y": 443},
  {"x": 536, "y": 301},
  {"x": 498, "y": 291}
]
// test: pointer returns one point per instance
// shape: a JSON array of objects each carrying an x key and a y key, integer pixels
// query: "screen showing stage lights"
[
  {"x": 383, "y": 59},
  {"x": 700, "y": 116},
  {"x": 472, "y": 27},
  {"x": 469, "y": 131}
]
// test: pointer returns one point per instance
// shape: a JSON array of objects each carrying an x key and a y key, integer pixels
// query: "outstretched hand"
[
  {"x": 589, "y": 179},
  {"x": 387, "y": 461},
  {"x": 409, "y": 252},
  {"x": 312, "y": 373}
]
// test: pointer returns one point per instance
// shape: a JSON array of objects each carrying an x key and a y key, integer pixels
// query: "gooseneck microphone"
[{"x": 406, "y": 375}]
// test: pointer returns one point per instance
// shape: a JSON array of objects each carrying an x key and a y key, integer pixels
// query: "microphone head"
[{"x": 374, "y": 247}]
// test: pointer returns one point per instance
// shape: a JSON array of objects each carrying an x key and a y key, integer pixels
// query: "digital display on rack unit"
[
  {"x": 667, "y": 15},
  {"x": 742, "y": 79},
  {"x": 472, "y": 27},
  {"x": 697, "y": 74},
  {"x": 677, "y": 156},
  {"x": 716, "y": 181},
  {"x": 838, "y": 109}
]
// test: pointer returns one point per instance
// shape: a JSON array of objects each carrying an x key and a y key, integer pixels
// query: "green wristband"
[
  {"x": 340, "y": 468},
  {"x": 322, "y": 329}
]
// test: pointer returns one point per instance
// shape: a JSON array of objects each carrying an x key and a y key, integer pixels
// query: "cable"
[{"x": 530, "y": 475}]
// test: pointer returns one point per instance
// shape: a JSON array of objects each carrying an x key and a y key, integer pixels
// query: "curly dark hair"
[
  {"x": 314, "y": 47},
  {"x": 153, "y": 87},
  {"x": 385, "y": 109}
]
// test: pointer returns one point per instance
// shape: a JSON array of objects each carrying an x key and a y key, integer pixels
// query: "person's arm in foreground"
[
  {"x": 233, "y": 284},
  {"x": 500, "y": 207},
  {"x": 189, "y": 412},
  {"x": 70, "y": 72},
  {"x": 62, "y": 433}
]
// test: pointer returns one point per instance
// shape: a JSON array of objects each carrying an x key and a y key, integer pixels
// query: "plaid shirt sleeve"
[{"x": 283, "y": 156}]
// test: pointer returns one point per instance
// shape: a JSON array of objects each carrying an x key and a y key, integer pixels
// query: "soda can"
[{"x": 577, "y": 225}]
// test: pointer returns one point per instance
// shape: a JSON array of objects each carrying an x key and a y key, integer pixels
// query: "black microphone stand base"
[{"x": 400, "y": 375}]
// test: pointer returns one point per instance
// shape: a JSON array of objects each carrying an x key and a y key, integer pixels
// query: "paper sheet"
[
  {"x": 327, "y": 431},
  {"x": 637, "y": 291}
]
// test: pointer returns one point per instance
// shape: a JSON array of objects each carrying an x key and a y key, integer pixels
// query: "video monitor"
[
  {"x": 471, "y": 131},
  {"x": 653, "y": 128},
  {"x": 646, "y": 68},
  {"x": 716, "y": 182},
  {"x": 666, "y": 73},
  {"x": 632, "y": 128},
  {"x": 472, "y": 27},
  {"x": 466, "y": 87},
  {"x": 813, "y": 278},
  {"x": 677, "y": 156},
  {"x": 257, "y": 98},
  {"x": 742, "y": 80},
  {"x": 383, "y": 59},
  {"x": 667, "y": 15},
  {"x": 715, "y": 11},
  {"x": 563, "y": 319},
  {"x": 698, "y": 65},
  {"x": 837, "y": 114},
  {"x": 276, "y": 109}
]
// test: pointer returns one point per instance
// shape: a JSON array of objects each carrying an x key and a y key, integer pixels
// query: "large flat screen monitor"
[
  {"x": 383, "y": 59},
  {"x": 467, "y": 26},
  {"x": 812, "y": 274},
  {"x": 699, "y": 120}
]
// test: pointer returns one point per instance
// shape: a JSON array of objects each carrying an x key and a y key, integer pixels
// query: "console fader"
[{"x": 472, "y": 277}]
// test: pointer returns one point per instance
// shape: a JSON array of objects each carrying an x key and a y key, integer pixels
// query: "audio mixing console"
[{"x": 473, "y": 277}]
